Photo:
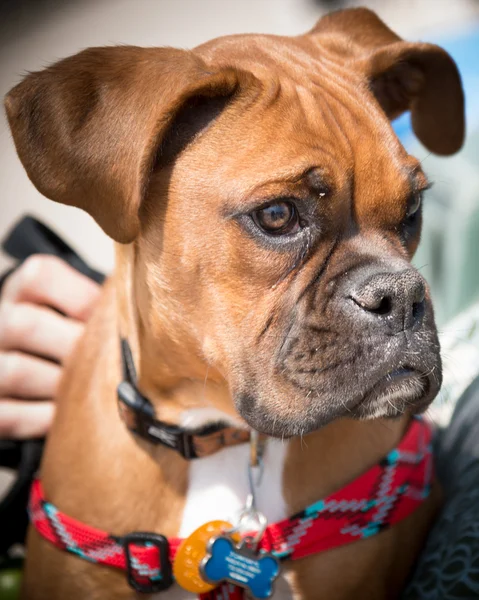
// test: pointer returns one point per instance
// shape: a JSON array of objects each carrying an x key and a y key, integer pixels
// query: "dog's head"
[{"x": 273, "y": 210}]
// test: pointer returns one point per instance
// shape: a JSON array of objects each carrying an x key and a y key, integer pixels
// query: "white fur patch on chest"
[
  {"x": 218, "y": 484},
  {"x": 218, "y": 487}
]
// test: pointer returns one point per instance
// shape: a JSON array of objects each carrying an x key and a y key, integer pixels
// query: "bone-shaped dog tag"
[{"x": 241, "y": 566}]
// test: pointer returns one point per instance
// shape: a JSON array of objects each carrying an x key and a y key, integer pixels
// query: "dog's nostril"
[
  {"x": 384, "y": 307},
  {"x": 377, "y": 306}
]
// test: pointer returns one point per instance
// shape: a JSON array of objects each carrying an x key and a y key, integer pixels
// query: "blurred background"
[{"x": 37, "y": 32}]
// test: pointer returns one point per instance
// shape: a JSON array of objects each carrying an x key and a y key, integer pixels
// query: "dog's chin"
[
  {"x": 401, "y": 391},
  {"x": 284, "y": 426}
]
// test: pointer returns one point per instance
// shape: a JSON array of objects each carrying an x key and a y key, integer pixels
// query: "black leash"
[{"x": 29, "y": 237}]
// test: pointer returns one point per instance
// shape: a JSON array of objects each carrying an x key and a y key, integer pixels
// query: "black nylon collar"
[{"x": 138, "y": 415}]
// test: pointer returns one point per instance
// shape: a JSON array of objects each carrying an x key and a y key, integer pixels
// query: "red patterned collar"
[{"x": 384, "y": 495}]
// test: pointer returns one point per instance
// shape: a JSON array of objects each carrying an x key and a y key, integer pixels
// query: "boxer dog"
[{"x": 265, "y": 216}]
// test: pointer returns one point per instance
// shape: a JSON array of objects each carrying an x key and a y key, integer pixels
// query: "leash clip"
[{"x": 251, "y": 519}]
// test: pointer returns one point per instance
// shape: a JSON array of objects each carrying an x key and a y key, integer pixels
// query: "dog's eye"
[
  {"x": 414, "y": 205},
  {"x": 412, "y": 219},
  {"x": 278, "y": 218}
]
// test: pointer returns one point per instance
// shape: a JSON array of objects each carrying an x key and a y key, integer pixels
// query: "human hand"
[{"x": 35, "y": 340}]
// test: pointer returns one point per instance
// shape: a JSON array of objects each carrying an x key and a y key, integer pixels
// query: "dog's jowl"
[{"x": 265, "y": 216}]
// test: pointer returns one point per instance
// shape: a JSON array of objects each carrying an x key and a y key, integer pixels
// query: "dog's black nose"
[{"x": 396, "y": 298}]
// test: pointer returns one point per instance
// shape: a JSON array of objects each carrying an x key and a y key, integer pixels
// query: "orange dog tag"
[{"x": 190, "y": 554}]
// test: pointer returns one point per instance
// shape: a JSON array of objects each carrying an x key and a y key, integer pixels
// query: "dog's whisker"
[
  {"x": 204, "y": 383},
  {"x": 345, "y": 405},
  {"x": 425, "y": 158}
]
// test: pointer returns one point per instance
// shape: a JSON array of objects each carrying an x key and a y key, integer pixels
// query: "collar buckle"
[
  {"x": 186, "y": 446},
  {"x": 134, "y": 409},
  {"x": 144, "y": 577}
]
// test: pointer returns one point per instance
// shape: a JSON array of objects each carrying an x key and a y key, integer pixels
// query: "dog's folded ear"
[
  {"x": 403, "y": 76},
  {"x": 88, "y": 128}
]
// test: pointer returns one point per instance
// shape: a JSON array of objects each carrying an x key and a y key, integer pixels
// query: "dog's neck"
[{"x": 182, "y": 386}]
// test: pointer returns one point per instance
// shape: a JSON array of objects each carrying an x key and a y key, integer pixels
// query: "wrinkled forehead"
[{"x": 311, "y": 112}]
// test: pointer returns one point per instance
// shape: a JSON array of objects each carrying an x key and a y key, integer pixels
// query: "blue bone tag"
[{"x": 240, "y": 566}]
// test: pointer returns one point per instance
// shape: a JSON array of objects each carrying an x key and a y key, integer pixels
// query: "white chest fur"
[{"x": 218, "y": 487}]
